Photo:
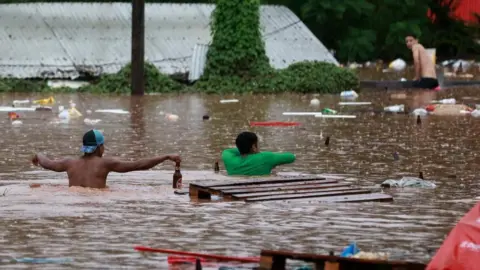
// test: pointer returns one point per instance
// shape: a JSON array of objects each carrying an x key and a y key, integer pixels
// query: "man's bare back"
[
  {"x": 425, "y": 74},
  {"x": 92, "y": 169},
  {"x": 426, "y": 66}
]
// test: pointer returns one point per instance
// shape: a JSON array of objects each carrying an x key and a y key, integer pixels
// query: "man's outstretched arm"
[
  {"x": 120, "y": 166},
  {"x": 49, "y": 164}
]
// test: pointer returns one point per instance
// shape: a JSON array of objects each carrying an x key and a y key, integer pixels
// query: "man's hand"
[
  {"x": 35, "y": 160},
  {"x": 175, "y": 158}
]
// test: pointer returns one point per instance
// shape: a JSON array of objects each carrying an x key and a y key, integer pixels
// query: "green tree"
[{"x": 237, "y": 47}]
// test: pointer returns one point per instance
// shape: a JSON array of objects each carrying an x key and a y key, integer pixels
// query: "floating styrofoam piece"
[
  {"x": 350, "y": 94},
  {"x": 66, "y": 84},
  {"x": 25, "y": 101},
  {"x": 334, "y": 116},
  {"x": 91, "y": 121},
  {"x": 300, "y": 113},
  {"x": 228, "y": 100},
  {"x": 354, "y": 103},
  {"x": 118, "y": 111},
  {"x": 15, "y": 109},
  {"x": 314, "y": 102},
  {"x": 398, "y": 65}
]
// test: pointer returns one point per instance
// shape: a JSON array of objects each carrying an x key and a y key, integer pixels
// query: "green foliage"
[
  {"x": 19, "y": 85},
  {"x": 303, "y": 77},
  {"x": 120, "y": 82},
  {"x": 237, "y": 47},
  {"x": 29, "y": 86},
  {"x": 357, "y": 30},
  {"x": 349, "y": 27},
  {"x": 319, "y": 77},
  {"x": 237, "y": 62}
]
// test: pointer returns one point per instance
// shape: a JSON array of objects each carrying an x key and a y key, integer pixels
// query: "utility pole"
[{"x": 138, "y": 48}]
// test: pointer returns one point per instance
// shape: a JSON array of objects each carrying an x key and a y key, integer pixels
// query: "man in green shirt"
[{"x": 247, "y": 160}]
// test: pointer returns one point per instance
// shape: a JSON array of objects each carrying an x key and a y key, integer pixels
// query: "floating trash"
[
  {"x": 328, "y": 111},
  {"x": 17, "y": 123},
  {"x": 17, "y": 102},
  {"x": 171, "y": 117},
  {"x": 117, "y": 111},
  {"x": 16, "y": 109},
  {"x": 349, "y": 94},
  {"x": 314, "y": 102},
  {"x": 354, "y": 103},
  {"x": 229, "y": 100},
  {"x": 445, "y": 101},
  {"x": 395, "y": 108},
  {"x": 334, "y": 116},
  {"x": 45, "y": 101},
  {"x": 42, "y": 260},
  {"x": 91, "y": 121},
  {"x": 420, "y": 112},
  {"x": 301, "y": 113},
  {"x": 397, "y": 65}
]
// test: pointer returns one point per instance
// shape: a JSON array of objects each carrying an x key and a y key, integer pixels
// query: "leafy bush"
[
  {"x": 21, "y": 85},
  {"x": 120, "y": 82},
  {"x": 303, "y": 77}
]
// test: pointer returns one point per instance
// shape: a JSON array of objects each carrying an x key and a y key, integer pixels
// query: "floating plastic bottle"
[
  {"x": 475, "y": 113},
  {"x": 349, "y": 94},
  {"x": 397, "y": 65},
  {"x": 17, "y": 102},
  {"x": 63, "y": 113},
  {"x": 45, "y": 101},
  {"x": 445, "y": 101},
  {"x": 350, "y": 250},
  {"x": 314, "y": 102},
  {"x": 328, "y": 111},
  {"x": 420, "y": 111},
  {"x": 395, "y": 108}
]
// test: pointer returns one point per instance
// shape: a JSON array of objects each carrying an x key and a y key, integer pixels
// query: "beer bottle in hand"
[{"x": 177, "y": 177}]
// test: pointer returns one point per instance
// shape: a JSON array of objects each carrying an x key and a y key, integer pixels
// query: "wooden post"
[{"x": 138, "y": 47}]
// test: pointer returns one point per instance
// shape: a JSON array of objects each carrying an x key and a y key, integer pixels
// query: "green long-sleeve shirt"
[{"x": 254, "y": 164}]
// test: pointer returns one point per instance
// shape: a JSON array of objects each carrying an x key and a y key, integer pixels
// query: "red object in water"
[
  {"x": 437, "y": 88},
  {"x": 430, "y": 108},
  {"x": 274, "y": 124},
  {"x": 200, "y": 255},
  {"x": 461, "y": 249},
  {"x": 13, "y": 115}
]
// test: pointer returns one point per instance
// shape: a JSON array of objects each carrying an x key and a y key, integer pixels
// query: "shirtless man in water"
[
  {"x": 92, "y": 169},
  {"x": 425, "y": 75}
]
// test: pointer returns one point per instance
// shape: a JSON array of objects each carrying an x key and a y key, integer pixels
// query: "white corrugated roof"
[{"x": 57, "y": 40}]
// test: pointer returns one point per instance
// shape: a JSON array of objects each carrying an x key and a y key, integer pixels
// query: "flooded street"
[{"x": 98, "y": 229}]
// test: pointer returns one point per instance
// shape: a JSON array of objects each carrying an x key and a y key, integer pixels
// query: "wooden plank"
[
  {"x": 306, "y": 195},
  {"x": 288, "y": 192},
  {"x": 372, "y": 197},
  {"x": 197, "y": 191},
  {"x": 295, "y": 184},
  {"x": 352, "y": 262},
  {"x": 270, "y": 181},
  {"x": 272, "y": 189}
]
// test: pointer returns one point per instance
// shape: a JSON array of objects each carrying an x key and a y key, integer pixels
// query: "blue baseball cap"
[{"x": 92, "y": 140}]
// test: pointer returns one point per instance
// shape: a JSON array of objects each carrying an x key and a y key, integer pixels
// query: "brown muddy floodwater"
[{"x": 97, "y": 229}]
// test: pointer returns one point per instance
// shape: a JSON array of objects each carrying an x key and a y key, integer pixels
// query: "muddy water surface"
[{"x": 98, "y": 229}]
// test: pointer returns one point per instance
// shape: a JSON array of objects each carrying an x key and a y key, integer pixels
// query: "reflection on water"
[{"x": 99, "y": 228}]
